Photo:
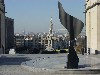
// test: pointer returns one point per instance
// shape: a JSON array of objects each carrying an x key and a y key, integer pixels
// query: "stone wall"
[
  {"x": 2, "y": 26},
  {"x": 93, "y": 25}
]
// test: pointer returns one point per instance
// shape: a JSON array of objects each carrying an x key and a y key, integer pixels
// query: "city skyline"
[{"x": 34, "y": 15}]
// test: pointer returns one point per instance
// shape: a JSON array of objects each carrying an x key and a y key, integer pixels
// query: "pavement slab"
[{"x": 11, "y": 64}]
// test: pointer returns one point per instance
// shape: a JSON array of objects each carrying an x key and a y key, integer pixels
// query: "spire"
[{"x": 51, "y": 27}]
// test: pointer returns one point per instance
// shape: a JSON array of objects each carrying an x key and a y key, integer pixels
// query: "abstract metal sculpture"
[{"x": 74, "y": 27}]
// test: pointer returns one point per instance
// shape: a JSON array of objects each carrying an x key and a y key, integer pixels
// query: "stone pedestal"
[{"x": 72, "y": 59}]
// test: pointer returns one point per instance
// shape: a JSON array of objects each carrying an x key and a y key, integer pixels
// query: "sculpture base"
[
  {"x": 73, "y": 59},
  {"x": 73, "y": 62}
]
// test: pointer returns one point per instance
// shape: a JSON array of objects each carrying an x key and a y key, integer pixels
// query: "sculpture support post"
[{"x": 73, "y": 59}]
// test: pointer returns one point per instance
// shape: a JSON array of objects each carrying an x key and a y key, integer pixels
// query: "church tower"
[
  {"x": 50, "y": 37},
  {"x": 51, "y": 27},
  {"x": 93, "y": 25}
]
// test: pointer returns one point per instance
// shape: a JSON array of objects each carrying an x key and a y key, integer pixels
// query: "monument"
[{"x": 74, "y": 27}]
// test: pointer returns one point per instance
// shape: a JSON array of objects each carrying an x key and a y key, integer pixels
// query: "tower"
[
  {"x": 50, "y": 37},
  {"x": 93, "y": 25},
  {"x": 51, "y": 27}
]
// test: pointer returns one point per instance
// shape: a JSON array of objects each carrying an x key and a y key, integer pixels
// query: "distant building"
[
  {"x": 2, "y": 26},
  {"x": 93, "y": 25},
  {"x": 41, "y": 41},
  {"x": 19, "y": 40},
  {"x": 28, "y": 42},
  {"x": 52, "y": 41},
  {"x": 9, "y": 23},
  {"x": 31, "y": 41}
]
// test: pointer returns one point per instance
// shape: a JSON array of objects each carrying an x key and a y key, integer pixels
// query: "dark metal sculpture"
[{"x": 74, "y": 27}]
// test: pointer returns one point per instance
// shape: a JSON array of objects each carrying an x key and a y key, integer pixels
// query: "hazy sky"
[{"x": 34, "y": 15}]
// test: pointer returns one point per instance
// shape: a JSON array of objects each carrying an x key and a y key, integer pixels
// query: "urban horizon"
[
  {"x": 28, "y": 14},
  {"x": 49, "y": 37}
]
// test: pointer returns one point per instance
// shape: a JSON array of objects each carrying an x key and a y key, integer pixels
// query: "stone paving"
[{"x": 11, "y": 64}]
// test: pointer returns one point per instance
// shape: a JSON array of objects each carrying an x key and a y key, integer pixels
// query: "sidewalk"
[{"x": 9, "y": 68}]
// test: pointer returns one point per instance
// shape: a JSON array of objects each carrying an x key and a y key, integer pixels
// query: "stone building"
[
  {"x": 19, "y": 40},
  {"x": 9, "y": 23},
  {"x": 93, "y": 25},
  {"x": 2, "y": 26}
]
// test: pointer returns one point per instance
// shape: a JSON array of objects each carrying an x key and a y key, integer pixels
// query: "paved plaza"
[{"x": 38, "y": 64}]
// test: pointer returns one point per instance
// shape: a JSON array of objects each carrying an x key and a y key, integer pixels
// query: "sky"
[{"x": 34, "y": 15}]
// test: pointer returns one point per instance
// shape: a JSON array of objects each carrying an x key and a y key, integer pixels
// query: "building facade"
[
  {"x": 28, "y": 43},
  {"x": 9, "y": 23},
  {"x": 19, "y": 40},
  {"x": 93, "y": 25},
  {"x": 2, "y": 27}
]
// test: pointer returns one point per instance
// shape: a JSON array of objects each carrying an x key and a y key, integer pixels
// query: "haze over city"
[{"x": 34, "y": 15}]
